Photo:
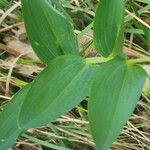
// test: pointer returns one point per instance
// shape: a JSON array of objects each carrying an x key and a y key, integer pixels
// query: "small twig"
[
  {"x": 135, "y": 129},
  {"x": 138, "y": 19},
  {"x": 19, "y": 4},
  {"x": 77, "y": 136},
  {"x": 11, "y": 27},
  {"x": 10, "y": 71},
  {"x": 5, "y": 97},
  {"x": 67, "y": 119},
  {"x": 28, "y": 144}
]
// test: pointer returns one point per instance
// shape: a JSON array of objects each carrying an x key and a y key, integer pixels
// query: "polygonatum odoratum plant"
[{"x": 113, "y": 82}]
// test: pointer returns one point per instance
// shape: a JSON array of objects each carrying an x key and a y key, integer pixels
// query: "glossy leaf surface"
[
  {"x": 108, "y": 27},
  {"x": 49, "y": 31},
  {"x": 61, "y": 86},
  {"x": 114, "y": 95}
]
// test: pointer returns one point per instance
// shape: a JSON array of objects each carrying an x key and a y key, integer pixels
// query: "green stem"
[
  {"x": 96, "y": 60},
  {"x": 139, "y": 60},
  {"x": 99, "y": 60}
]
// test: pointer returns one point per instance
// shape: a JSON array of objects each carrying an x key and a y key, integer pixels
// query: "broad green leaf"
[
  {"x": 49, "y": 31},
  {"x": 61, "y": 86},
  {"x": 108, "y": 27},
  {"x": 114, "y": 95},
  {"x": 9, "y": 120}
]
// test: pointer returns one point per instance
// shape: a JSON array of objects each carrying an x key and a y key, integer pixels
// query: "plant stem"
[
  {"x": 139, "y": 60},
  {"x": 99, "y": 60},
  {"x": 96, "y": 60}
]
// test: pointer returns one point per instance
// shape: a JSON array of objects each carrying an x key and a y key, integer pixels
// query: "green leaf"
[
  {"x": 49, "y": 31},
  {"x": 108, "y": 27},
  {"x": 114, "y": 95},
  {"x": 61, "y": 86},
  {"x": 9, "y": 120}
]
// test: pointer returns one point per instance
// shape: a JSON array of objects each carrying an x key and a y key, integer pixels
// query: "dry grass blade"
[{"x": 2, "y": 18}]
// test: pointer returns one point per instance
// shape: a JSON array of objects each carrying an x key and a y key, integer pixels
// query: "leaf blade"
[
  {"x": 111, "y": 105},
  {"x": 108, "y": 28},
  {"x": 67, "y": 79},
  {"x": 9, "y": 119},
  {"x": 49, "y": 31}
]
